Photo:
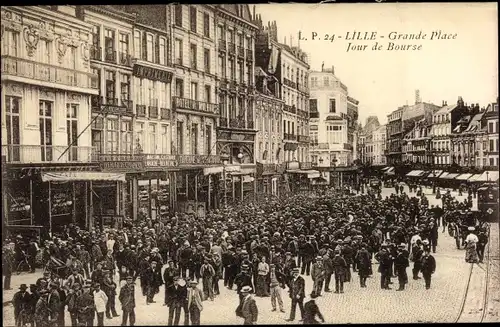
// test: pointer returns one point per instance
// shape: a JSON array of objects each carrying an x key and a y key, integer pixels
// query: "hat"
[
  {"x": 288, "y": 253},
  {"x": 402, "y": 245},
  {"x": 426, "y": 241},
  {"x": 193, "y": 282},
  {"x": 246, "y": 289},
  {"x": 471, "y": 228},
  {"x": 319, "y": 257},
  {"x": 313, "y": 295},
  {"x": 44, "y": 292},
  {"x": 23, "y": 287},
  {"x": 295, "y": 270},
  {"x": 339, "y": 241}
]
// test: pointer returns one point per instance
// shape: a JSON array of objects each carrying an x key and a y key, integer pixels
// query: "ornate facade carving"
[
  {"x": 73, "y": 97},
  {"x": 31, "y": 37},
  {"x": 47, "y": 94}
]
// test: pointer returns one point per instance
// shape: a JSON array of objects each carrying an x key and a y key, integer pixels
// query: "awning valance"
[
  {"x": 389, "y": 171},
  {"x": 386, "y": 168},
  {"x": 464, "y": 177},
  {"x": 474, "y": 177},
  {"x": 449, "y": 176},
  {"x": 69, "y": 176},
  {"x": 415, "y": 173},
  {"x": 309, "y": 173},
  {"x": 435, "y": 173}
]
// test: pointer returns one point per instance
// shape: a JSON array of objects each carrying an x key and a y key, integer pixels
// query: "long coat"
[
  {"x": 127, "y": 297},
  {"x": 311, "y": 310},
  {"x": 297, "y": 288},
  {"x": 363, "y": 261},
  {"x": 249, "y": 311}
]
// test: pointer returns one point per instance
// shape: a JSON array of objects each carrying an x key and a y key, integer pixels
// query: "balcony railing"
[
  {"x": 153, "y": 112},
  {"x": 47, "y": 73},
  {"x": 46, "y": 153},
  {"x": 314, "y": 114},
  {"x": 223, "y": 122},
  {"x": 302, "y": 88},
  {"x": 222, "y": 45},
  {"x": 304, "y": 138},
  {"x": 164, "y": 113},
  {"x": 198, "y": 159},
  {"x": 237, "y": 123},
  {"x": 305, "y": 165},
  {"x": 249, "y": 54},
  {"x": 291, "y": 109},
  {"x": 160, "y": 160},
  {"x": 112, "y": 105},
  {"x": 241, "y": 51},
  {"x": 231, "y": 48},
  {"x": 183, "y": 103},
  {"x": 96, "y": 53},
  {"x": 140, "y": 110},
  {"x": 290, "y": 137},
  {"x": 125, "y": 59},
  {"x": 232, "y": 85},
  {"x": 289, "y": 83},
  {"x": 110, "y": 56},
  {"x": 347, "y": 146}
]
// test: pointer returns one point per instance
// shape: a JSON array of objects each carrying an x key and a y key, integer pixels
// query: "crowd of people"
[{"x": 257, "y": 249}]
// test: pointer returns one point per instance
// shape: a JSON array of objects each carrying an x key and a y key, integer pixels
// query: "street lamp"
[
  {"x": 487, "y": 176},
  {"x": 225, "y": 160}
]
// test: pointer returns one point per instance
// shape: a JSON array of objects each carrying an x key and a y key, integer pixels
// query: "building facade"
[
  {"x": 394, "y": 139},
  {"x": 490, "y": 149},
  {"x": 333, "y": 120},
  {"x": 365, "y": 140},
  {"x": 416, "y": 145},
  {"x": 47, "y": 83},
  {"x": 375, "y": 149}
]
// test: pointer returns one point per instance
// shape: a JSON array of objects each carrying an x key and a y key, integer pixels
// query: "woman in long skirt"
[{"x": 471, "y": 247}]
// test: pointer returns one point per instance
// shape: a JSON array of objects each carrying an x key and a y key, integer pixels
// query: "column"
[
  {"x": 233, "y": 188},
  {"x": 134, "y": 195}
]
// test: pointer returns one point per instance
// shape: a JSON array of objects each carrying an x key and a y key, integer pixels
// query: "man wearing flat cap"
[
  {"x": 401, "y": 262},
  {"x": 127, "y": 300},
  {"x": 194, "y": 302},
  {"x": 318, "y": 275}
]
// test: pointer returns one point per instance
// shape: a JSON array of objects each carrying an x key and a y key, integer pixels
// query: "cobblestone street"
[{"x": 356, "y": 305}]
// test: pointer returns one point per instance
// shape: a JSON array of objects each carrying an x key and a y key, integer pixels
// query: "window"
[
  {"x": 180, "y": 137},
  {"x": 249, "y": 42},
  {"x": 249, "y": 72},
  {"x": 208, "y": 94},
  {"x": 222, "y": 66},
  {"x": 208, "y": 139},
  {"x": 161, "y": 51},
  {"x": 222, "y": 105},
  {"x": 126, "y": 142},
  {"x": 492, "y": 161},
  {"x": 112, "y": 136},
  {"x": 206, "y": 25},
  {"x": 125, "y": 88},
  {"x": 206, "y": 60},
  {"x": 149, "y": 47},
  {"x": 193, "y": 55},
  {"x": 192, "y": 18},
  {"x": 179, "y": 88},
  {"x": 123, "y": 46},
  {"x": 12, "y": 107},
  {"x": 313, "y": 105},
  {"x": 241, "y": 110},
  {"x": 326, "y": 81},
  {"x": 152, "y": 138},
  {"x": 178, "y": 51},
  {"x": 333, "y": 105},
  {"x": 72, "y": 130},
  {"x": 194, "y": 138},
  {"x": 109, "y": 43},
  {"x": 10, "y": 43},
  {"x": 231, "y": 105},
  {"x": 44, "y": 54},
  {"x": 231, "y": 69},
  {"x": 490, "y": 127},
  {"x": 110, "y": 86},
  {"x": 231, "y": 36},
  {"x": 241, "y": 41},
  {"x": 139, "y": 141},
  {"x": 70, "y": 62},
  {"x": 492, "y": 145},
  {"x": 220, "y": 32},
  {"x": 194, "y": 90},
  {"x": 241, "y": 72},
  {"x": 97, "y": 141},
  {"x": 45, "y": 114},
  {"x": 178, "y": 15},
  {"x": 137, "y": 44},
  {"x": 96, "y": 36},
  {"x": 164, "y": 139}
]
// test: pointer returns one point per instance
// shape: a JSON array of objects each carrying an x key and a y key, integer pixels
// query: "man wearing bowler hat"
[
  {"x": 249, "y": 311},
  {"x": 20, "y": 302}
]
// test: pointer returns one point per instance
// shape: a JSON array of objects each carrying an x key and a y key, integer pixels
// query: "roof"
[
  {"x": 475, "y": 123},
  {"x": 445, "y": 109}
]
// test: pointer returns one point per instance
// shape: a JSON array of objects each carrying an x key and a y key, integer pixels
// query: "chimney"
[
  {"x": 417, "y": 97},
  {"x": 284, "y": 40},
  {"x": 253, "y": 12},
  {"x": 333, "y": 70},
  {"x": 442, "y": 105}
]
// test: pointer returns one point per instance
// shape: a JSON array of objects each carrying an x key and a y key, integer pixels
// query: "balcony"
[
  {"x": 110, "y": 56},
  {"x": 241, "y": 52},
  {"x": 249, "y": 54},
  {"x": 198, "y": 159},
  {"x": 224, "y": 83},
  {"x": 305, "y": 165},
  {"x": 302, "y": 88},
  {"x": 46, "y": 153},
  {"x": 232, "y": 85},
  {"x": 153, "y": 111},
  {"x": 165, "y": 113},
  {"x": 47, "y": 73},
  {"x": 290, "y": 137},
  {"x": 304, "y": 138},
  {"x": 110, "y": 105},
  {"x": 250, "y": 124},
  {"x": 314, "y": 114},
  {"x": 140, "y": 110},
  {"x": 125, "y": 59},
  {"x": 231, "y": 48},
  {"x": 347, "y": 146},
  {"x": 291, "y": 109},
  {"x": 289, "y": 83},
  {"x": 237, "y": 123},
  {"x": 195, "y": 105},
  {"x": 95, "y": 53},
  {"x": 222, "y": 45}
]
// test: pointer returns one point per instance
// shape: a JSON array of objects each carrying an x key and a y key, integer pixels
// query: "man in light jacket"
[
  {"x": 194, "y": 300},
  {"x": 100, "y": 301}
]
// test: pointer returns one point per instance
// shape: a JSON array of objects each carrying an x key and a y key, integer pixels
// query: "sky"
[{"x": 383, "y": 80}]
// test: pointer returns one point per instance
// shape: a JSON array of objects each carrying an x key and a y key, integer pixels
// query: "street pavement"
[{"x": 441, "y": 303}]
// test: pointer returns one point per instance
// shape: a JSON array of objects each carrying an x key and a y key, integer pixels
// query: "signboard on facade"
[
  {"x": 122, "y": 166},
  {"x": 152, "y": 73}
]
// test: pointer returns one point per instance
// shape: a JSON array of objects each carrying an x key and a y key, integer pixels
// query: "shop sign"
[
  {"x": 115, "y": 222},
  {"x": 122, "y": 166},
  {"x": 152, "y": 73}
]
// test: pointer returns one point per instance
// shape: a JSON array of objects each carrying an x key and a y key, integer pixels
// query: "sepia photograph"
[{"x": 246, "y": 164}]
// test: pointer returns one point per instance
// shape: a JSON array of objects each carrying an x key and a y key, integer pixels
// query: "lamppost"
[
  {"x": 225, "y": 160},
  {"x": 487, "y": 176},
  {"x": 334, "y": 161}
]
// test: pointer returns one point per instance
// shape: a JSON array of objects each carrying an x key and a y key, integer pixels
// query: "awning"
[
  {"x": 386, "y": 168},
  {"x": 464, "y": 177},
  {"x": 415, "y": 173},
  {"x": 489, "y": 176},
  {"x": 309, "y": 173},
  {"x": 449, "y": 176},
  {"x": 389, "y": 171},
  {"x": 474, "y": 177},
  {"x": 435, "y": 173},
  {"x": 248, "y": 179},
  {"x": 69, "y": 176}
]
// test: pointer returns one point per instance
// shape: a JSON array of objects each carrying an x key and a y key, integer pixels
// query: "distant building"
[{"x": 490, "y": 119}]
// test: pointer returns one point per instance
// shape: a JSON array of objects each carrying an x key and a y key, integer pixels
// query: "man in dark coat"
[
  {"x": 428, "y": 267},
  {"x": 177, "y": 300},
  {"x": 401, "y": 262},
  {"x": 127, "y": 300},
  {"x": 363, "y": 263},
  {"x": 311, "y": 310},
  {"x": 168, "y": 276},
  {"x": 385, "y": 262},
  {"x": 86, "y": 307},
  {"x": 339, "y": 268},
  {"x": 297, "y": 294},
  {"x": 308, "y": 256},
  {"x": 416, "y": 256},
  {"x": 20, "y": 301},
  {"x": 244, "y": 278},
  {"x": 109, "y": 287},
  {"x": 153, "y": 282},
  {"x": 328, "y": 266}
]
